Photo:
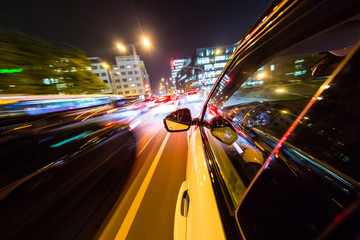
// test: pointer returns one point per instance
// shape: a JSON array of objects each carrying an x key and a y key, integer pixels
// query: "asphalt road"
[{"x": 145, "y": 208}]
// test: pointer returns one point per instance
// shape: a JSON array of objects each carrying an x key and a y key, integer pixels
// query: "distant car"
[
  {"x": 273, "y": 154},
  {"x": 163, "y": 99},
  {"x": 143, "y": 105},
  {"x": 193, "y": 96},
  {"x": 165, "y": 104},
  {"x": 122, "y": 103},
  {"x": 51, "y": 167}
]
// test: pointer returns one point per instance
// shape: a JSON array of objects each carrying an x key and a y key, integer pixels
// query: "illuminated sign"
[{"x": 14, "y": 70}]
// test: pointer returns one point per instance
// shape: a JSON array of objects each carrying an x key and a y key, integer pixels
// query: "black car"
[
  {"x": 60, "y": 174},
  {"x": 273, "y": 154}
]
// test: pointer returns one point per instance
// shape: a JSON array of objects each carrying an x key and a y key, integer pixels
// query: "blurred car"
[
  {"x": 192, "y": 96},
  {"x": 142, "y": 104},
  {"x": 122, "y": 103},
  {"x": 165, "y": 104},
  {"x": 275, "y": 157},
  {"x": 163, "y": 99},
  {"x": 53, "y": 166}
]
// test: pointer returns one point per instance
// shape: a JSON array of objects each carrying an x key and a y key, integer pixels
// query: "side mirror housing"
[
  {"x": 178, "y": 121},
  {"x": 223, "y": 130}
]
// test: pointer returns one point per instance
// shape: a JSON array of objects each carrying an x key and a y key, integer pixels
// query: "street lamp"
[
  {"x": 145, "y": 42},
  {"x": 122, "y": 47},
  {"x": 108, "y": 68}
]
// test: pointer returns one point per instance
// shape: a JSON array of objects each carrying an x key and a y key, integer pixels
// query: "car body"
[
  {"x": 142, "y": 104},
  {"x": 53, "y": 165},
  {"x": 276, "y": 157},
  {"x": 192, "y": 96},
  {"x": 165, "y": 104},
  {"x": 122, "y": 103}
]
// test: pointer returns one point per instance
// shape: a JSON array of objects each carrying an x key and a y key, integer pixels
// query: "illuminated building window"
[{"x": 220, "y": 58}]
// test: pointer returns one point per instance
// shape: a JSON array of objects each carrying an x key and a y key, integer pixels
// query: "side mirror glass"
[
  {"x": 178, "y": 121},
  {"x": 223, "y": 130}
]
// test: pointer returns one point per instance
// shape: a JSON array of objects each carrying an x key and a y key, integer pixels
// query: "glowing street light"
[
  {"x": 261, "y": 75},
  {"x": 121, "y": 47},
  {"x": 146, "y": 42}
]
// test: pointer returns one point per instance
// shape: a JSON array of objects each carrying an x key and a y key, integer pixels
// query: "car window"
[
  {"x": 261, "y": 102},
  {"x": 328, "y": 133},
  {"x": 315, "y": 167}
]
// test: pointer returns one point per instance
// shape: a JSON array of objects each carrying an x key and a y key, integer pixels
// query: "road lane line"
[
  {"x": 129, "y": 218},
  {"x": 141, "y": 151}
]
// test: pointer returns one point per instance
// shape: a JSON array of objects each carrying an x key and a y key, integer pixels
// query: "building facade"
[
  {"x": 176, "y": 66},
  {"x": 99, "y": 69},
  {"x": 128, "y": 77},
  {"x": 204, "y": 68}
]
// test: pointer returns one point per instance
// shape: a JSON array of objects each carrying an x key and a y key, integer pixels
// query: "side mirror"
[
  {"x": 178, "y": 120},
  {"x": 223, "y": 130}
]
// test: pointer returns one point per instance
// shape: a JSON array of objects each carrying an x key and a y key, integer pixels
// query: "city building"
[
  {"x": 130, "y": 77},
  {"x": 176, "y": 66},
  {"x": 99, "y": 69},
  {"x": 203, "y": 69}
]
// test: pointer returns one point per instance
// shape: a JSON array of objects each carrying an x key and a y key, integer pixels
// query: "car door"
[
  {"x": 259, "y": 96},
  {"x": 273, "y": 77}
]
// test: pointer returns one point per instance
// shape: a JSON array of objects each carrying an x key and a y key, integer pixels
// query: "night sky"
[{"x": 175, "y": 27}]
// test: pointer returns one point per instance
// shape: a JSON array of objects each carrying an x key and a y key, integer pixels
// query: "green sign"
[{"x": 14, "y": 70}]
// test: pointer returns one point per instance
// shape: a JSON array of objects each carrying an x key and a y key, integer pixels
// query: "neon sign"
[{"x": 14, "y": 70}]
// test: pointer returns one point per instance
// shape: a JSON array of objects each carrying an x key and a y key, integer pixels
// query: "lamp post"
[
  {"x": 217, "y": 52},
  {"x": 108, "y": 68},
  {"x": 122, "y": 47},
  {"x": 161, "y": 88},
  {"x": 145, "y": 42}
]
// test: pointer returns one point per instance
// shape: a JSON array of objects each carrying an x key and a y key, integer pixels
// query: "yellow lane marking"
[{"x": 125, "y": 227}]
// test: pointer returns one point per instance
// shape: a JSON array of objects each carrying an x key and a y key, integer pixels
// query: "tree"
[{"x": 41, "y": 68}]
